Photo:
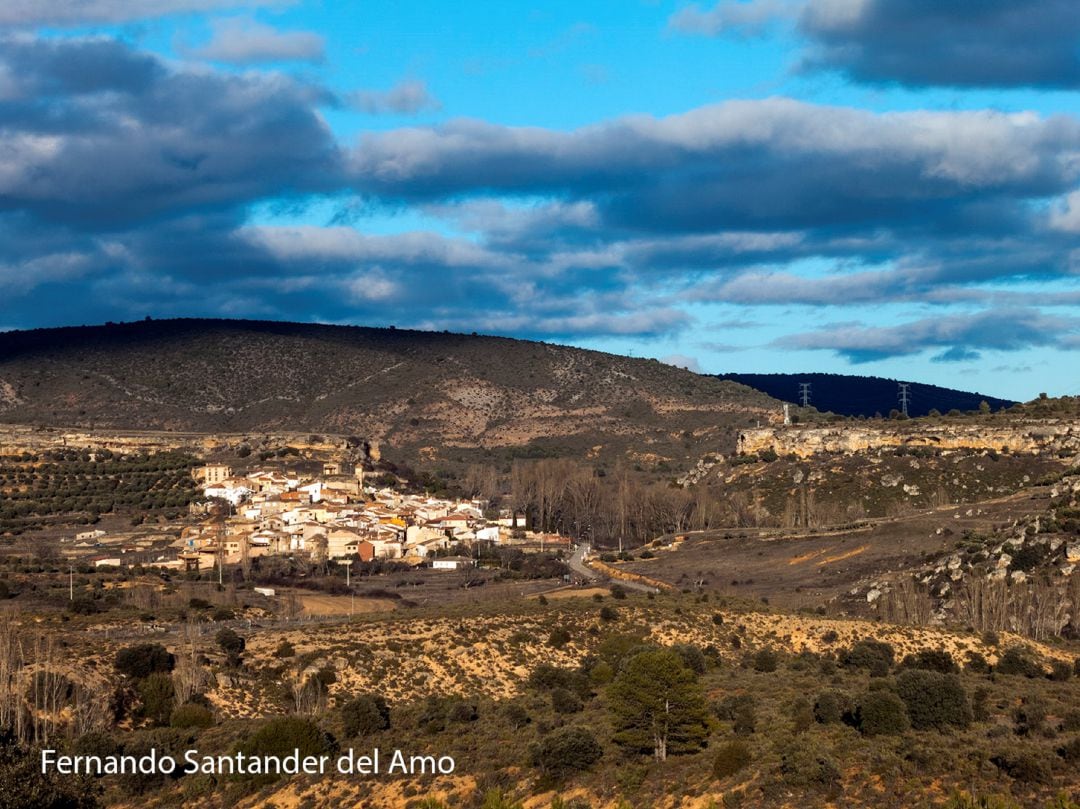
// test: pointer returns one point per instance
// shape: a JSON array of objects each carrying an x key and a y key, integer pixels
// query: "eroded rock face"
[{"x": 806, "y": 441}]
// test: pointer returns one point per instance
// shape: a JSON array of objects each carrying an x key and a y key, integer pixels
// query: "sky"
[{"x": 887, "y": 187}]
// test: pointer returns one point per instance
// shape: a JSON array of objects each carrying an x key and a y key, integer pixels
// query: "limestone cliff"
[{"x": 806, "y": 441}]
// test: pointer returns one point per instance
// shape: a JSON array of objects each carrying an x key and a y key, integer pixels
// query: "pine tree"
[{"x": 658, "y": 706}]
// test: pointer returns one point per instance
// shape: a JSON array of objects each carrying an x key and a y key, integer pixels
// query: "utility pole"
[
  {"x": 905, "y": 397},
  {"x": 71, "y": 582},
  {"x": 804, "y": 393}
]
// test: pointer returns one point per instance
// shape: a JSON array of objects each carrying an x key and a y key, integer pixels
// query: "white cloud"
[{"x": 243, "y": 41}]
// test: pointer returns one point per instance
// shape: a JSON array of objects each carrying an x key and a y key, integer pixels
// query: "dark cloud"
[
  {"x": 959, "y": 337},
  {"x": 955, "y": 43},
  {"x": 768, "y": 164},
  {"x": 98, "y": 135},
  {"x": 82, "y": 12},
  {"x": 989, "y": 43}
]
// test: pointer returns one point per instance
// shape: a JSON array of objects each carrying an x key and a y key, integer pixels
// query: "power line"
[
  {"x": 804, "y": 393},
  {"x": 905, "y": 397}
]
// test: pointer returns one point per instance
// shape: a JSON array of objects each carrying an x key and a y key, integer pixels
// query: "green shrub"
[
  {"x": 931, "y": 660},
  {"x": 157, "y": 694},
  {"x": 730, "y": 758},
  {"x": 881, "y": 713},
  {"x": 144, "y": 659},
  {"x": 564, "y": 701},
  {"x": 804, "y": 767},
  {"x": 191, "y": 715},
  {"x": 1017, "y": 660},
  {"x": 872, "y": 655},
  {"x": 565, "y": 751},
  {"x": 283, "y": 734},
  {"x": 364, "y": 715},
  {"x": 830, "y": 707},
  {"x": 765, "y": 660},
  {"x": 558, "y": 638},
  {"x": 934, "y": 700}
]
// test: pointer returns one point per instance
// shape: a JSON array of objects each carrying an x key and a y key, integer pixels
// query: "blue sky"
[{"x": 888, "y": 187}]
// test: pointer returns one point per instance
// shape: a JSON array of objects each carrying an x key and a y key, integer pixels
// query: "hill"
[
  {"x": 851, "y": 395},
  {"x": 418, "y": 392}
]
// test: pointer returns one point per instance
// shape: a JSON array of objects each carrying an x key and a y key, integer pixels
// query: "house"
[
  {"x": 214, "y": 473},
  {"x": 86, "y": 535},
  {"x": 452, "y": 563}
]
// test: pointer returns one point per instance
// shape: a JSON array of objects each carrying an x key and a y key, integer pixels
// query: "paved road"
[{"x": 577, "y": 564}]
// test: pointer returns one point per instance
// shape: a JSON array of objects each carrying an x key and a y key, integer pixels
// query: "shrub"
[
  {"x": 157, "y": 695},
  {"x": 765, "y": 660},
  {"x": 872, "y": 655},
  {"x": 144, "y": 659},
  {"x": 232, "y": 645},
  {"x": 804, "y": 767},
  {"x": 565, "y": 751},
  {"x": 881, "y": 713},
  {"x": 1061, "y": 670},
  {"x": 976, "y": 663},
  {"x": 281, "y": 735},
  {"x": 934, "y": 700},
  {"x": 830, "y": 707},
  {"x": 730, "y": 758},
  {"x": 931, "y": 660},
  {"x": 558, "y": 638},
  {"x": 609, "y": 614},
  {"x": 1026, "y": 766},
  {"x": 191, "y": 716},
  {"x": 1029, "y": 716},
  {"x": 618, "y": 591},
  {"x": 692, "y": 656},
  {"x": 564, "y": 701},
  {"x": 1017, "y": 660},
  {"x": 364, "y": 715},
  {"x": 284, "y": 650},
  {"x": 517, "y": 716}
]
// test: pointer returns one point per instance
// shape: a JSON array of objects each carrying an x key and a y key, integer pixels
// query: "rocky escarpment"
[{"x": 806, "y": 441}]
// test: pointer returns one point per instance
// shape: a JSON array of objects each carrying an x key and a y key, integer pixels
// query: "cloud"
[
  {"x": 244, "y": 41},
  {"x": 744, "y": 17},
  {"x": 991, "y": 43},
  {"x": 775, "y": 163},
  {"x": 409, "y": 97},
  {"x": 918, "y": 43},
  {"x": 960, "y": 337},
  {"x": 82, "y": 12},
  {"x": 102, "y": 136},
  {"x": 683, "y": 361}
]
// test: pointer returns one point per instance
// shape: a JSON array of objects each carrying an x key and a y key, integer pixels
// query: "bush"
[
  {"x": 558, "y": 638},
  {"x": 143, "y": 660},
  {"x": 692, "y": 656},
  {"x": 609, "y": 614},
  {"x": 232, "y": 645},
  {"x": 191, "y": 716},
  {"x": 157, "y": 695},
  {"x": 765, "y": 660},
  {"x": 874, "y": 656},
  {"x": 1030, "y": 716},
  {"x": 284, "y": 650},
  {"x": 282, "y": 735},
  {"x": 1017, "y": 660},
  {"x": 365, "y": 715},
  {"x": 806, "y": 768},
  {"x": 617, "y": 591},
  {"x": 730, "y": 758},
  {"x": 1028, "y": 767},
  {"x": 830, "y": 707},
  {"x": 931, "y": 660},
  {"x": 934, "y": 700},
  {"x": 564, "y": 701},
  {"x": 517, "y": 716},
  {"x": 565, "y": 751},
  {"x": 881, "y": 713}
]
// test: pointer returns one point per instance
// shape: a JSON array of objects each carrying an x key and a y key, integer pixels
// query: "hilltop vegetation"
[
  {"x": 435, "y": 394},
  {"x": 851, "y": 395}
]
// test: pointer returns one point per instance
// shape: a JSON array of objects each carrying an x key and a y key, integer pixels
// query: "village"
[{"x": 324, "y": 515}]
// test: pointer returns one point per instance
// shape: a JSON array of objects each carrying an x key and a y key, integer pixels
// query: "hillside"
[
  {"x": 851, "y": 395},
  {"x": 417, "y": 392}
]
